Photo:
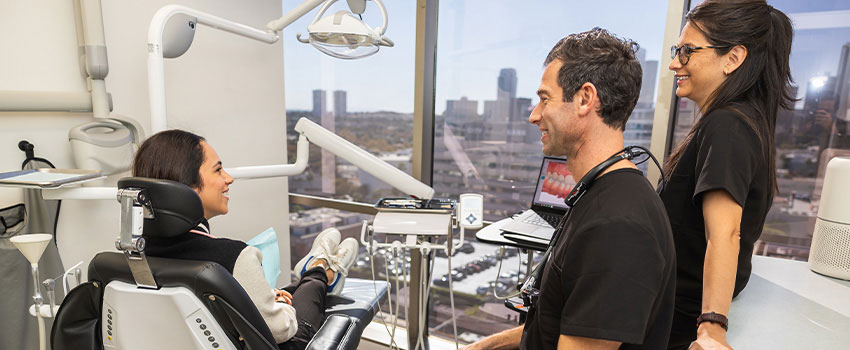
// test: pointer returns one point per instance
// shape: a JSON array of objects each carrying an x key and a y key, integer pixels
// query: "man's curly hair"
[{"x": 606, "y": 61}]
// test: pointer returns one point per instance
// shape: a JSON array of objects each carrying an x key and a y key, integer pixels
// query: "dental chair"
[{"x": 136, "y": 302}]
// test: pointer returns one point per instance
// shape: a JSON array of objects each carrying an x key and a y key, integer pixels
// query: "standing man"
[{"x": 609, "y": 282}]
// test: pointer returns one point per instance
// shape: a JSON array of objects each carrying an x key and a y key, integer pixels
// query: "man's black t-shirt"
[
  {"x": 724, "y": 154},
  {"x": 612, "y": 272}
]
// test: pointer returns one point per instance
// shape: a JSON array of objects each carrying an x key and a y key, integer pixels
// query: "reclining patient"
[{"x": 294, "y": 313}]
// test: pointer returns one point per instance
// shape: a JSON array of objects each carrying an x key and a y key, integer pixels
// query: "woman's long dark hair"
[
  {"x": 174, "y": 155},
  {"x": 761, "y": 85}
]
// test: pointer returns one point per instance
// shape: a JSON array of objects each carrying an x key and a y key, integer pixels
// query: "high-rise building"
[
  {"x": 463, "y": 108},
  {"x": 462, "y": 116},
  {"x": 320, "y": 100},
  {"x": 506, "y": 95},
  {"x": 340, "y": 103},
  {"x": 650, "y": 75},
  {"x": 820, "y": 91},
  {"x": 647, "y": 86},
  {"x": 507, "y": 84}
]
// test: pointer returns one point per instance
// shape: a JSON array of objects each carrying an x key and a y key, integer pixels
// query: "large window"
[
  {"x": 369, "y": 102},
  {"x": 811, "y": 134},
  {"x": 366, "y": 101},
  {"x": 489, "y": 63},
  {"x": 488, "y": 66}
]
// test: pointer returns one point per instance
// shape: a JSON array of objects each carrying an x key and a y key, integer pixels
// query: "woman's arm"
[
  {"x": 280, "y": 317},
  {"x": 722, "y": 216}
]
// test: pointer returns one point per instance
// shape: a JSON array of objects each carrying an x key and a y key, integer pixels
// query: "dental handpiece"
[{"x": 50, "y": 286}]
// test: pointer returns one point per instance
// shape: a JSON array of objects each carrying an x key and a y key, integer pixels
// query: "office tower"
[
  {"x": 320, "y": 100},
  {"x": 461, "y": 109},
  {"x": 320, "y": 114},
  {"x": 647, "y": 86},
  {"x": 523, "y": 108},
  {"x": 462, "y": 116},
  {"x": 820, "y": 94},
  {"x": 507, "y": 84},
  {"x": 340, "y": 97}
]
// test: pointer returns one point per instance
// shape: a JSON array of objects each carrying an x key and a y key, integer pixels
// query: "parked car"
[
  {"x": 466, "y": 248},
  {"x": 442, "y": 281}
]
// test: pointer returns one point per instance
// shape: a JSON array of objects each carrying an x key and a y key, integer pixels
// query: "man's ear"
[{"x": 586, "y": 99}]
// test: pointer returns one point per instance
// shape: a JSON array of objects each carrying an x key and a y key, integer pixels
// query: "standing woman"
[{"x": 732, "y": 60}]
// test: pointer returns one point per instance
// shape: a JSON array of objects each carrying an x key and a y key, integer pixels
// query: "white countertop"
[{"x": 787, "y": 306}]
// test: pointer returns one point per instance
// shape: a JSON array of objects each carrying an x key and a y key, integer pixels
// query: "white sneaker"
[
  {"x": 340, "y": 262},
  {"x": 324, "y": 246}
]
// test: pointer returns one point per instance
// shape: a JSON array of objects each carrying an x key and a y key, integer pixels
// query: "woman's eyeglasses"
[{"x": 684, "y": 52}]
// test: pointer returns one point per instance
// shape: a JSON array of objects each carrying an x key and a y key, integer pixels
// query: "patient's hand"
[{"x": 283, "y": 296}]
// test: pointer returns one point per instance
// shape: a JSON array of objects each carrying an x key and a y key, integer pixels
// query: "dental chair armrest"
[{"x": 336, "y": 333}]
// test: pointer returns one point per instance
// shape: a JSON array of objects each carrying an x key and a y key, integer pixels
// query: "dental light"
[
  {"x": 341, "y": 35},
  {"x": 344, "y": 36}
]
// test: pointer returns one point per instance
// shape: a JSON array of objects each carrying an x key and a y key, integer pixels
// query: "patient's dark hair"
[{"x": 174, "y": 155}]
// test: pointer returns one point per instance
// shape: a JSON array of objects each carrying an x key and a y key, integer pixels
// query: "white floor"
[{"x": 376, "y": 337}]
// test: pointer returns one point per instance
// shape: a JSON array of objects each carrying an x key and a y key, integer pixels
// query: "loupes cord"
[
  {"x": 633, "y": 152},
  {"x": 499, "y": 273}
]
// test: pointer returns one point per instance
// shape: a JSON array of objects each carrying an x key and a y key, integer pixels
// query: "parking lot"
[
  {"x": 472, "y": 281},
  {"x": 475, "y": 280}
]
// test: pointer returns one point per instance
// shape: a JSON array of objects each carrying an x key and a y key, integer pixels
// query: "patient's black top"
[
  {"x": 724, "y": 154},
  {"x": 612, "y": 272}
]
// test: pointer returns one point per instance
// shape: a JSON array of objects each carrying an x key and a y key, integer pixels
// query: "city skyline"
[
  {"x": 475, "y": 48},
  {"x": 472, "y": 50}
]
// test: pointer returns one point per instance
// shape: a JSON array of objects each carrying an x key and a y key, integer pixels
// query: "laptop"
[{"x": 547, "y": 207}]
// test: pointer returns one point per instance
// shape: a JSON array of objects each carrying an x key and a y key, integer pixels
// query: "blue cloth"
[{"x": 266, "y": 242}]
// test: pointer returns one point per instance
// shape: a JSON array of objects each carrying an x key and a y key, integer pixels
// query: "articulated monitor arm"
[{"x": 319, "y": 136}]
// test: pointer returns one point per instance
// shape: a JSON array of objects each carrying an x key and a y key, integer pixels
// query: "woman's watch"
[{"x": 714, "y": 317}]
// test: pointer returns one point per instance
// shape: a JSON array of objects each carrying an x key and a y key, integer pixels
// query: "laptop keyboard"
[{"x": 542, "y": 219}]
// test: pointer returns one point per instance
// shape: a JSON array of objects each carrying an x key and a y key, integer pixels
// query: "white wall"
[{"x": 225, "y": 88}]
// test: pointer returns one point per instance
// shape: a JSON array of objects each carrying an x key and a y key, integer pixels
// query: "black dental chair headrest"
[{"x": 175, "y": 206}]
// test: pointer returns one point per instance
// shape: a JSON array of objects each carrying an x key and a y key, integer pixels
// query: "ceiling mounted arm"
[
  {"x": 156, "y": 70},
  {"x": 341, "y": 36},
  {"x": 291, "y": 16}
]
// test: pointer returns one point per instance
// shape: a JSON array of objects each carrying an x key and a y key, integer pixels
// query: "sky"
[{"x": 477, "y": 38}]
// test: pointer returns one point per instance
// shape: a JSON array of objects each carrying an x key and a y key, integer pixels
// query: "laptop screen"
[{"x": 553, "y": 184}]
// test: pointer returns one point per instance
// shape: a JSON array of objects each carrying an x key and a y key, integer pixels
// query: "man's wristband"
[{"x": 714, "y": 317}]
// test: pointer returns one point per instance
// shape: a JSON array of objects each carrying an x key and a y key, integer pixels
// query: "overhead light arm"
[
  {"x": 293, "y": 15},
  {"x": 365, "y": 39}
]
